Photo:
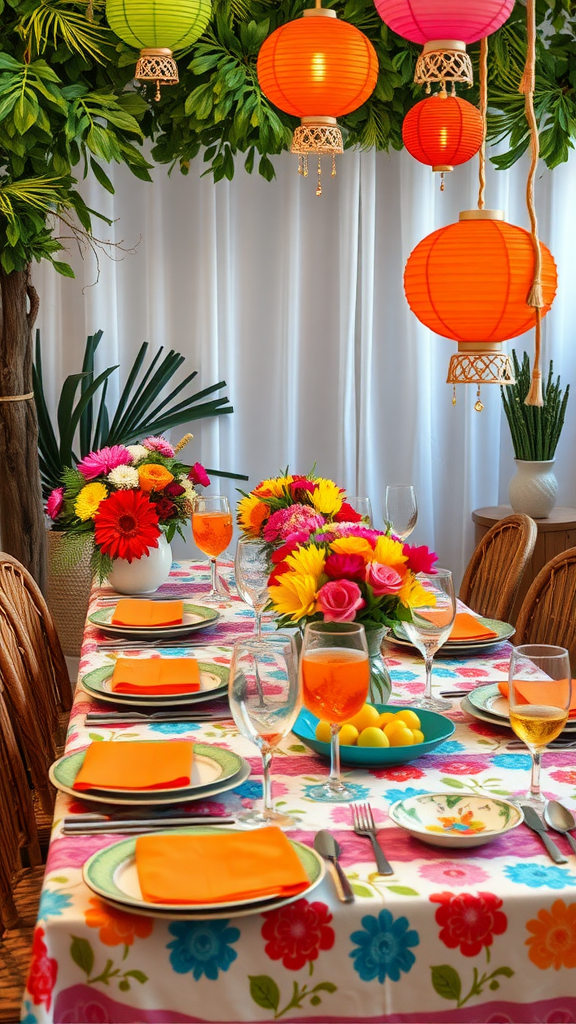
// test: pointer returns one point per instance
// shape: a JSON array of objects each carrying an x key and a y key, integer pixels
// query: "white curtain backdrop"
[{"x": 297, "y": 302}]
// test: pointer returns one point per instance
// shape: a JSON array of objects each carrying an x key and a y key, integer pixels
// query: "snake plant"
[{"x": 535, "y": 430}]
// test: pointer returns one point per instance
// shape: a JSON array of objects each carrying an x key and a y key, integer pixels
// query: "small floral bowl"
[{"x": 444, "y": 819}]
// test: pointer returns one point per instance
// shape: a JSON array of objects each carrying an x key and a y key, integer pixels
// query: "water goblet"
[
  {"x": 335, "y": 674},
  {"x": 363, "y": 506},
  {"x": 400, "y": 509},
  {"x": 539, "y": 690},
  {"x": 264, "y": 695},
  {"x": 431, "y": 625},
  {"x": 252, "y": 569},
  {"x": 212, "y": 532}
]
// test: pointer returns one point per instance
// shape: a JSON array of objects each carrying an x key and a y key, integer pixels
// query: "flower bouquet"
[
  {"x": 287, "y": 505},
  {"x": 124, "y": 498}
]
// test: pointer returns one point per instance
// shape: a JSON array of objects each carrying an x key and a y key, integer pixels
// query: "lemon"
[
  {"x": 348, "y": 734},
  {"x": 364, "y": 718},
  {"x": 385, "y": 717},
  {"x": 409, "y": 717},
  {"x": 323, "y": 732},
  {"x": 418, "y": 736},
  {"x": 372, "y": 736},
  {"x": 402, "y": 738},
  {"x": 393, "y": 727}
]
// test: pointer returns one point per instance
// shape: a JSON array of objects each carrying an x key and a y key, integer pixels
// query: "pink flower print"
[
  {"x": 472, "y": 673},
  {"x": 568, "y": 777},
  {"x": 453, "y": 873},
  {"x": 482, "y": 729},
  {"x": 342, "y": 815},
  {"x": 463, "y": 765}
]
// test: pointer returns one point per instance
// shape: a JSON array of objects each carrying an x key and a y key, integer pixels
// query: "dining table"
[{"x": 481, "y": 934}]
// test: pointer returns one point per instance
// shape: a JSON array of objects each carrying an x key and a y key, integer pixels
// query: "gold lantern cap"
[
  {"x": 481, "y": 215},
  {"x": 319, "y": 12},
  {"x": 435, "y": 45}
]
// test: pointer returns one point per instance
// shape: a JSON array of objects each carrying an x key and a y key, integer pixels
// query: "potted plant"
[{"x": 535, "y": 432}]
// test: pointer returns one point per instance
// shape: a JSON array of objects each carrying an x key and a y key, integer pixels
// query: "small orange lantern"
[{"x": 443, "y": 131}]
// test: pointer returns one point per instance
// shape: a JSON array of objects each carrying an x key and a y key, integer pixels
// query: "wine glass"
[
  {"x": 264, "y": 694},
  {"x": 335, "y": 674},
  {"x": 431, "y": 625},
  {"x": 362, "y": 506},
  {"x": 539, "y": 689},
  {"x": 400, "y": 509},
  {"x": 212, "y": 532},
  {"x": 252, "y": 570}
]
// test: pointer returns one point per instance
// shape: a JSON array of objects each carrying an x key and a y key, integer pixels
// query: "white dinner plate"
[
  {"x": 196, "y": 617},
  {"x": 488, "y": 700},
  {"x": 213, "y": 683},
  {"x": 457, "y": 648},
  {"x": 502, "y": 723},
  {"x": 111, "y": 873}
]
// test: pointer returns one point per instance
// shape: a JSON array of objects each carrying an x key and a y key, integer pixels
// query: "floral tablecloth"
[{"x": 483, "y": 936}]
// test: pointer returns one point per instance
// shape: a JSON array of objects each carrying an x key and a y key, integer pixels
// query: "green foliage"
[{"x": 535, "y": 429}]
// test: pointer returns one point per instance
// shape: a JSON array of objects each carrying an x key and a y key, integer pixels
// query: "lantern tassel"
[{"x": 534, "y": 396}]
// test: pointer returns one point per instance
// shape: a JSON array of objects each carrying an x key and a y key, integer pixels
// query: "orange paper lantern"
[{"x": 443, "y": 131}]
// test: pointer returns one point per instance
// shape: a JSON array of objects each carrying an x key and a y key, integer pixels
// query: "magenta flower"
[
  {"x": 383, "y": 579},
  {"x": 198, "y": 475},
  {"x": 420, "y": 559},
  {"x": 55, "y": 502},
  {"x": 349, "y": 567},
  {"x": 101, "y": 462},
  {"x": 289, "y": 520},
  {"x": 453, "y": 873},
  {"x": 159, "y": 444},
  {"x": 339, "y": 600}
]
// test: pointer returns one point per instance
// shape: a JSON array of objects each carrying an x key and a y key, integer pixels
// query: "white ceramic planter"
[
  {"x": 142, "y": 575},
  {"x": 534, "y": 488}
]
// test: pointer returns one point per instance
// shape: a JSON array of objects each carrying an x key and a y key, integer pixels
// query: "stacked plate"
[
  {"x": 489, "y": 705},
  {"x": 214, "y": 771},
  {"x": 213, "y": 683},
  {"x": 196, "y": 617},
  {"x": 112, "y": 874},
  {"x": 462, "y": 648}
]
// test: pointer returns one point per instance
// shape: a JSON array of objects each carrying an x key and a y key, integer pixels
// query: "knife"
[
  {"x": 534, "y": 822},
  {"x": 80, "y": 825},
  {"x": 327, "y": 847}
]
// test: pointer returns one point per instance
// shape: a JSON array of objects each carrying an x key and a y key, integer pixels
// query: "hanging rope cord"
[
  {"x": 535, "y": 299},
  {"x": 483, "y": 108}
]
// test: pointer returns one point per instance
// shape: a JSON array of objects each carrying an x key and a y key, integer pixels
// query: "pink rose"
[
  {"x": 349, "y": 567},
  {"x": 198, "y": 475},
  {"x": 55, "y": 502},
  {"x": 339, "y": 600},
  {"x": 383, "y": 579},
  {"x": 420, "y": 559}
]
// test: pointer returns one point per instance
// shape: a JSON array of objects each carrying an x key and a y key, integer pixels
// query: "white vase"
[
  {"x": 534, "y": 488},
  {"x": 142, "y": 575}
]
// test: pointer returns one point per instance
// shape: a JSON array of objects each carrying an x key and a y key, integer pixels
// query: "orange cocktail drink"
[
  {"x": 335, "y": 682},
  {"x": 212, "y": 531}
]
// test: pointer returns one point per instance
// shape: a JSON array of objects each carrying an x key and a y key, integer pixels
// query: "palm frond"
[
  {"x": 57, "y": 21},
  {"x": 41, "y": 193}
]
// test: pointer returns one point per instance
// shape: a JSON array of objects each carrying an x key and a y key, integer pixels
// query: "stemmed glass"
[
  {"x": 539, "y": 689},
  {"x": 400, "y": 509},
  {"x": 335, "y": 674},
  {"x": 212, "y": 532},
  {"x": 252, "y": 569},
  {"x": 264, "y": 694},
  {"x": 362, "y": 506},
  {"x": 431, "y": 625}
]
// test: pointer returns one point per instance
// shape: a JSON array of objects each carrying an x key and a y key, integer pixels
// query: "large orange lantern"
[
  {"x": 443, "y": 131},
  {"x": 317, "y": 68}
]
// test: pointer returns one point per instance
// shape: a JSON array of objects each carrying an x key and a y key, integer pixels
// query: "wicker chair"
[
  {"x": 548, "y": 612},
  {"x": 494, "y": 572}
]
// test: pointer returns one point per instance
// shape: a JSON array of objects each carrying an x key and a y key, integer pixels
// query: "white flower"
[
  {"x": 124, "y": 478},
  {"x": 189, "y": 494},
  {"x": 138, "y": 452}
]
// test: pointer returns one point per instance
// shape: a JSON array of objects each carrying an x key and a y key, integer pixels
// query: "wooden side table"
[{"x": 555, "y": 534}]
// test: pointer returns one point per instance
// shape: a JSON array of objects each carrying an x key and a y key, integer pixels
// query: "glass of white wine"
[
  {"x": 400, "y": 509},
  {"x": 539, "y": 691}
]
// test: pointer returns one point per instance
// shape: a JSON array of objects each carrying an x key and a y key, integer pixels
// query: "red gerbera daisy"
[{"x": 126, "y": 525}]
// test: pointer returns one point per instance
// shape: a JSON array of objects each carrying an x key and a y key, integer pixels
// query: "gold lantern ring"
[{"x": 157, "y": 65}]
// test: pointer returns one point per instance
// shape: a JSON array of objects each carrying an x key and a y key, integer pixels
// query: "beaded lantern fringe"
[
  {"x": 157, "y": 66},
  {"x": 319, "y": 139},
  {"x": 445, "y": 62}
]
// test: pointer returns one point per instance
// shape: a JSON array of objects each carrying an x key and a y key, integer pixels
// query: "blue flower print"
[
  {"x": 250, "y": 790},
  {"x": 537, "y": 875},
  {"x": 383, "y": 947},
  {"x": 444, "y": 673},
  {"x": 450, "y": 747},
  {"x": 202, "y": 947},
  {"x": 357, "y": 792},
  {"x": 391, "y": 795},
  {"x": 404, "y": 676},
  {"x": 520, "y": 761},
  {"x": 174, "y": 728},
  {"x": 52, "y": 904}
]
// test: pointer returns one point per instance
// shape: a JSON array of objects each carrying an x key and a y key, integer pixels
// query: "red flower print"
[
  {"x": 295, "y": 934},
  {"x": 469, "y": 921},
  {"x": 400, "y": 774},
  {"x": 463, "y": 765},
  {"x": 43, "y": 971},
  {"x": 472, "y": 673},
  {"x": 567, "y": 776}
]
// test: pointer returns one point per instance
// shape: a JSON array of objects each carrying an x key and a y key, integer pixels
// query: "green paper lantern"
[{"x": 157, "y": 28}]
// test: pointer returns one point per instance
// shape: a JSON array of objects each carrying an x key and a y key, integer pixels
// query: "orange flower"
[
  {"x": 553, "y": 939},
  {"x": 153, "y": 477},
  {"x": 117, "y": 928}
]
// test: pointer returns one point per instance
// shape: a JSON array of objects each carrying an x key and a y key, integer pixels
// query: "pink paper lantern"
[{"x": 423, "y": 20}]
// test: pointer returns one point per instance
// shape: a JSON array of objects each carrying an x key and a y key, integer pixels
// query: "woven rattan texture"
[
  {"x": 494, "y": 572},
  {"x": 16, "y": 944},
  {"x": 548, "y": 612},
  {"x": 67, "y": 594}
]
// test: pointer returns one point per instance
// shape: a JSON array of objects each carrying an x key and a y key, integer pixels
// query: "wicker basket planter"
[{"x": 67, "y": 594}]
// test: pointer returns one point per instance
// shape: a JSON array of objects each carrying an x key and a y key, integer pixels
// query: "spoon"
[{"x": 560, "y": 818}]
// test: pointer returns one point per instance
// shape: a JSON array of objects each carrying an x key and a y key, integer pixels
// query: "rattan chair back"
[
  {"x": 494, "y": 572},
  {"x": 548, "y": 612}
]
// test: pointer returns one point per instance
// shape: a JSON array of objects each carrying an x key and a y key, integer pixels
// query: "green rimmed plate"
[
  {"x": 213, "y": 683},
  {"x": 447, "y": 819},
  {"x": 111, "y": 874},
  {"x": 196, "y": 617},
  {"x": 489, "y": 705},
  {"x": 214, "y": 770},
  {"x": 456, "y": 648}
]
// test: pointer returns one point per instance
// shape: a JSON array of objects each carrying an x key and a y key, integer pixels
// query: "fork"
[{"x": 364, "y": 825}]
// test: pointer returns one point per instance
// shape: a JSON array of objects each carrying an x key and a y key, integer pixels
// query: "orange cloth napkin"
[
  {"x": 218, "y": 868},
  {"x": 135, "y": 612},
  {"x": 155, "y": 675},
  {"x": 144, "y": 764},
  {"x": 468, "y": 627},
  {"x": 538, "y": 693}
]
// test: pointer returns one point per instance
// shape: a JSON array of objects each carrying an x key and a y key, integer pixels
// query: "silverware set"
[
  {"x": 364, "y": 825},
  {"x": 122, "y": 717},
  {"x": 129, "y": 824}
]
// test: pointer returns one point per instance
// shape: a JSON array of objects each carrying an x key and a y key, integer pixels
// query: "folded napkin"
[
  {"x": 529, "y": 692},
  {"x": 218, "y": 868},
  {"x": 155, "y": 675},
  {"x": 468, "y": 627},
  {"x": 135, "y": 612},
  {"x": 143, "y": 764}
]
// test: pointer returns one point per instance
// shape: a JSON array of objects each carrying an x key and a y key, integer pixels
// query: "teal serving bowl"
[{"x": 436, "y": 729}]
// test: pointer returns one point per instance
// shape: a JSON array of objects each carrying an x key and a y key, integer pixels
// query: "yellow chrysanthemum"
[
  {"x": 87, "y": 502},
  {"x": 327, "y": 498},
  {"x": 353, "y": 546},
  {"x": 412, "y": 593},
  {"x": 294, "y": 595},
  {"x": 154, "y": 477},
  {"x": 250, "y": 514},
  {"x": 389, "y": 552},
  {"x": 307, "y": 561},
  {"x": 273, "y": 488}
]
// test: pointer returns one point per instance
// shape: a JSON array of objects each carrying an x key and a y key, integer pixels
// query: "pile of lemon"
[{"x": 372, "y": 728}]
